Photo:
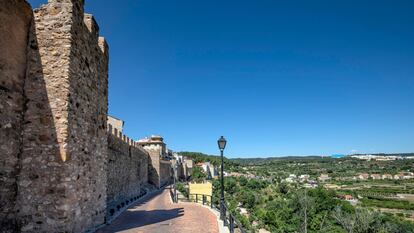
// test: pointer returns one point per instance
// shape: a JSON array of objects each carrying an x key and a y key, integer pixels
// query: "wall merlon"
[
  {"x": 104, "y": 46},
  {"x": 79, "y": 3},
  {"x": 91, "y": 24},
  {"x": 110, "y": 129}
]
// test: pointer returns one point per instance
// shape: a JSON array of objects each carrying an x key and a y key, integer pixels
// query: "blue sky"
[{"x": 274, "y": 77}]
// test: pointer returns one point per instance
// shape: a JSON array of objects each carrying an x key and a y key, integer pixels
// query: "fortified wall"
[
  {"x": 15, "y": 18},
  {"x": 62, "y": 169},
  {"x": 62, "y": 179},
  {"x": 54, "y": 72},
  {"x": 127, "y": 170}
]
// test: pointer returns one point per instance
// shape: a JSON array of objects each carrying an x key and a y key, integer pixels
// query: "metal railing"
[{"x": 231, "y": 221}]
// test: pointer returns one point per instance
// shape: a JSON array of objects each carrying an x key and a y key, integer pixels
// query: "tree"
[
  {"x": 243, "y": 181},
  {"x": 197, "y": 174},
  {"x": 230, "y": 185},
  {"x": 306, "y": 204},
  {"x": 279, "y": 216},
  {"x": 283, "y": 188},
  {"x": 346, "y": 221},
  {"x": 247, "y": 198}
]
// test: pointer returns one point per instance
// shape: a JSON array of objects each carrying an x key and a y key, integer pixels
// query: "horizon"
[
  {"x": 291, "y": 78},
  {"x": 309, "y": 155}
]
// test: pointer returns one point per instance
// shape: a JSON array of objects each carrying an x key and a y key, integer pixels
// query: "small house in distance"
[
  {"x": 376, "y": 176},
  {"x": 324, "y": 177}
]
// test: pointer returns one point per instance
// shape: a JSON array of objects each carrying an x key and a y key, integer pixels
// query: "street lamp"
[
  {"x": 175, "y": 166},
  {"x": 175, "y": 182},
  {"x": 222, "y": 144}
]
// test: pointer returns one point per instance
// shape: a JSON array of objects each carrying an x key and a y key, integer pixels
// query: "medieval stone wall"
[
  {"x": 153, "y": 166},
  {"x": 15, "y": 19},
  {"x": 57, "y": 171},
  {"x": 62, "y": 179},
  {"x": 159, "y": 170},
  {"x": 53, "y": 118},
  {"x": 165, "y": 172},
  {"x": 127, "y": 171}
]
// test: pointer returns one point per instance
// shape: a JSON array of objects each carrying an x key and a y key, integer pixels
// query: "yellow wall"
[{"x": 201, "y": 189}]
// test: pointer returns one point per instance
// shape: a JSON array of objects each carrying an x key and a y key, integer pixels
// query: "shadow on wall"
[
  {"x": 64, "y": 144},
  {"x": 153, "y": 177},
  {"x": 40, "y": 158},
  {"x": 134, "y": 219},
  {"x": 15, "y": 18}
]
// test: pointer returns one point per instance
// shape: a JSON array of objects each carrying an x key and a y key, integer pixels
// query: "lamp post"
[
  {"x": 174, "y": 167},
  {"x": 175, "y": 186},
  {"x": 222, "y": 144}
]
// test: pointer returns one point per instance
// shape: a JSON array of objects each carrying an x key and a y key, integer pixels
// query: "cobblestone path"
[{"x": 157, "y": 214}]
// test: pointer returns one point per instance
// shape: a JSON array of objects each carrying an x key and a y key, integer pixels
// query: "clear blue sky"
[{"x": 274, "y": 77}]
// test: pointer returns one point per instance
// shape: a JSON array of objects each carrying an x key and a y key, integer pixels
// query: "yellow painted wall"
[{"x": 200, "y": 189}]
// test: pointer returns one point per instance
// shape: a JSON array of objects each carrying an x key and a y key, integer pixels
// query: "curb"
[{"x": 118, "y": 213}]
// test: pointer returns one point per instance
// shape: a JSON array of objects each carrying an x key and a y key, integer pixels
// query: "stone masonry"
[
  {"x": 62, "y": 169},
  {"x": 159, "y": 168},
  {"x": 127, "y": 171},
  {"x": 62, "y": 179},
  {"x": 15, "y": 19},
  {"x": 54, "y": 72}
]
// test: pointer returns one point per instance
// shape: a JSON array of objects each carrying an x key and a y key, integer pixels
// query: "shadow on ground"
[{"x": 139, "y": 218}]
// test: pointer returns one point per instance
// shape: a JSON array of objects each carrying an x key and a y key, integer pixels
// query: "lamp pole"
[
  {"x": 175, "y": 186},
  {"x": 222, "y": 144}
]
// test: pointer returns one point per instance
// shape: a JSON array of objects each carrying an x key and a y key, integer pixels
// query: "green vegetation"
[
  {"x": 259, "y": 194},
  {"x": 387, "y": 203},
  {"x": 197, "y": 174},
  {"x": 181, "y": 188},
  {"x": 285, "y": 208}
]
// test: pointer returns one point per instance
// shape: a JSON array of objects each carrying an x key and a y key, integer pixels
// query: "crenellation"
[
  {"x": 124, "y": 185},
  {"x": 104, "y": 46},
  {"x": 91, "y": 24},
  {"x": 64, "y": 167},
  {"x": 116, "y": 133}
]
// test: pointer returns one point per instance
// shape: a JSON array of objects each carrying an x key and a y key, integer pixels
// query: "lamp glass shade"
[{"x": 222, "y": 143}]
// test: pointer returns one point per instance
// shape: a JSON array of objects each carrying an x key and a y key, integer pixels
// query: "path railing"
[{"x": 229, "y": 220}]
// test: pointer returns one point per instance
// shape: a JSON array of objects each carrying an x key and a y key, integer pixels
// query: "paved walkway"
[{"x": 157, "y": 214}]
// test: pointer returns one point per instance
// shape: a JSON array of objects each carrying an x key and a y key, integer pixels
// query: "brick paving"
[{"x": 157, "y": 214}]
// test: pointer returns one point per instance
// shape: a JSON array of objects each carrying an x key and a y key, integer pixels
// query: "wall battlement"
[
  {"x": 127, "y": 171},
  {"x": 117, "y": 139},
  {"x": 62, "y": 167}
]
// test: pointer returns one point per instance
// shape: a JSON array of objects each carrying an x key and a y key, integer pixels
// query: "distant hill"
[
  {"x": 201, "y": 157},
  {"x": 214, "y": 159},
  {"x": 260, "y": 161}
]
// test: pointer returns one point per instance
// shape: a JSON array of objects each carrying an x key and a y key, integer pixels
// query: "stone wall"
[
  {"x": 166, "y": 172},
  {"x": 62, "y": 179},
  {"x": 15, "y": 19},
  {"x": 153, "y": 166},
  {"x": 116, "y": 123},
  {"x": 61, "y": 186},
  {"x": 127, "y": 171},
  {"x": 159, "y": 170},
  {"x": 57, "y": 171}
]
